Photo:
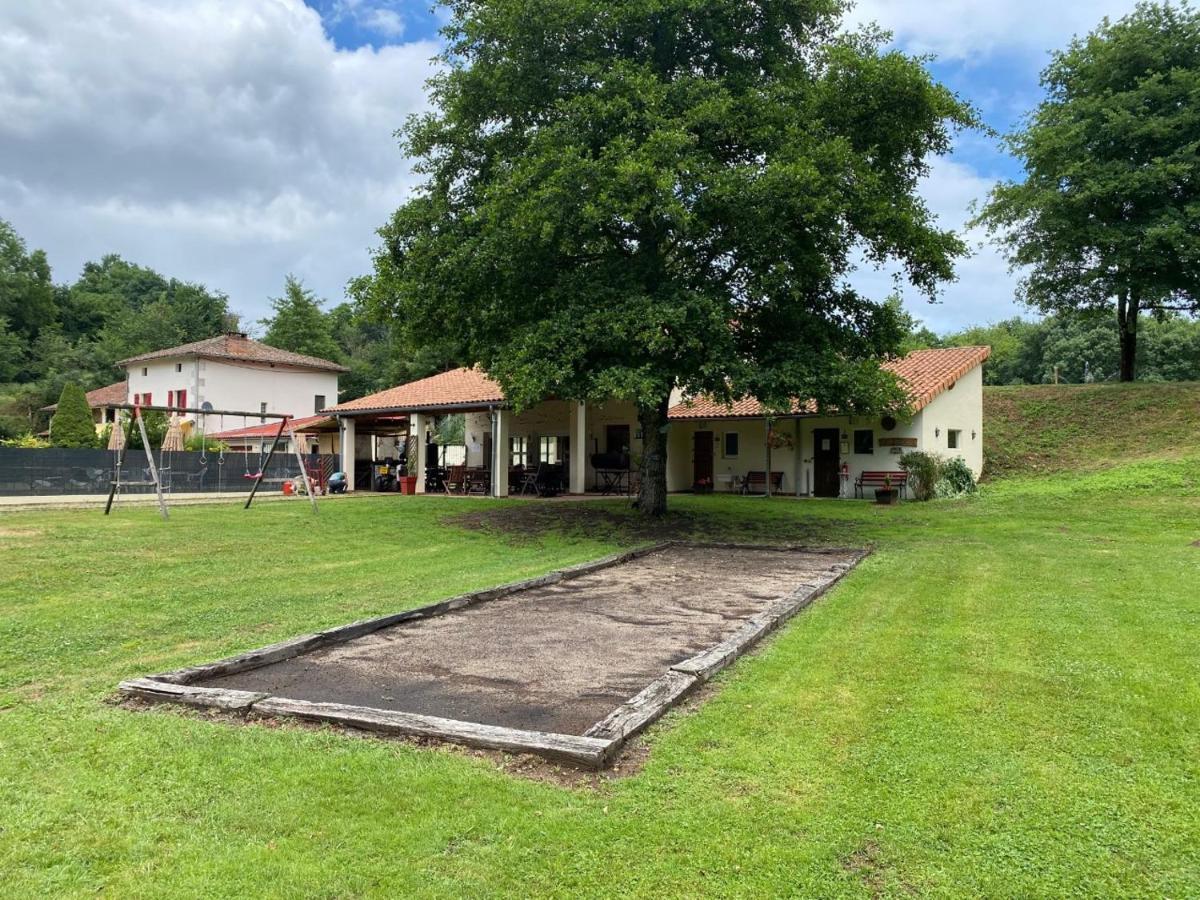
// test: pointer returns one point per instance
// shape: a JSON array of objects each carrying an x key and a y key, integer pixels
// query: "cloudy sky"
[{"x": 233, "y": 141}]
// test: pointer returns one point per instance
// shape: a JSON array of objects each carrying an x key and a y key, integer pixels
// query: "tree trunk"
[
  {"x": 1127, "y": 324},
  {"x": 652, "y": 492}
]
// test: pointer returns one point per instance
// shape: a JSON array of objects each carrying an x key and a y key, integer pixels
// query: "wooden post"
[
  {"x": 162, "y": 504},
  {"x": 300, "y": 459},
  {"x": 262, "y": 470}
]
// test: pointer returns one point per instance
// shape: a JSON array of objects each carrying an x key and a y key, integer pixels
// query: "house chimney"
[{"x": 236, "y": 334}]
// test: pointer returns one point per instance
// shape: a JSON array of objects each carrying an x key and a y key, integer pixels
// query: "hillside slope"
[{"x": 1043, "y": 429}]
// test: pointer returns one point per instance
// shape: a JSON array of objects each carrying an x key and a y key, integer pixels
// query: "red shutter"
[
  {"x": 181, "y": 398},
  {"x": 137, "y": 399},
  {"x": 146, "y": 401},
  {"x": 170, "y": 399}
]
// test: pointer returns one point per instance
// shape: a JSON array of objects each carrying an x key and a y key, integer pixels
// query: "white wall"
[
  {"x": 959, "y": 408},
  {"x": 234, "y": 385}
]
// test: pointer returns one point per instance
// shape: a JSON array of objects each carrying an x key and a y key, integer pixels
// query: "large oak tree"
[
  {"x": 623, "y": 196},
  {"x": 1108, "y": 214}
]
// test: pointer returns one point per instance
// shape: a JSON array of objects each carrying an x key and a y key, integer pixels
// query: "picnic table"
[{"x": 613, "y": 481}]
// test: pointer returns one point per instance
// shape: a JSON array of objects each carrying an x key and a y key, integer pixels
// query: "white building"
[
  {"x": 710, "y": 445},
  {"x": 232, "y": 372}
]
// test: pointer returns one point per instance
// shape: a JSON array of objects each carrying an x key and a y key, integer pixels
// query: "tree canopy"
[
  {"x": 299, "y": 324},
  {"x": 624, "y": 196},
  {"x": 1108, "y": 213}
]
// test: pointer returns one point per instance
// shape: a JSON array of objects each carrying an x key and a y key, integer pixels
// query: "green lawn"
[{"x": 1003, "y": 700}]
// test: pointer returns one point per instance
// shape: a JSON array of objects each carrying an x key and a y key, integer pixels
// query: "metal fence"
[{"x": 54, "y": 472}]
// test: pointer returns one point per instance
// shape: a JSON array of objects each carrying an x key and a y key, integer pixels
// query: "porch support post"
[
  {"x": 417, "y": 424},
  {"x": 348, "y": 440},
  {"x": 577, "y": 477},
  {"x": 501, "y": 425},
  {"x": 767, "y": 449}
]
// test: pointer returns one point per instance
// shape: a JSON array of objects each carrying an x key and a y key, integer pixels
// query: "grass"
[
  {"x": 1003, "y": 700},
  {"x": 1042, "y": 429}
]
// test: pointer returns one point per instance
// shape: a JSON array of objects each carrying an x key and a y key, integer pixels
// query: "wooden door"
[
  {"x": 826, "y": 460},
  {"x": 702, "y": 458},
  {"x": 616, "y": 439}
]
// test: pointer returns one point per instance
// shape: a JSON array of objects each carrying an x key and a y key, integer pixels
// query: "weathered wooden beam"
[
  {"x": 644, "y": 708},
  {"x": 231, "y": 665},
  {"x": 587, "y": 751},
  {"x": 220, "y": 698}
]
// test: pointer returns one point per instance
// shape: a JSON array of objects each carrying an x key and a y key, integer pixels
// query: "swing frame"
[{"x": 285, "y": 421}]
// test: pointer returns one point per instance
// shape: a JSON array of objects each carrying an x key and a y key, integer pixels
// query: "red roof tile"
[
  {"x": 240, "y": 348},
  {"x": 456, "y": 388},
  {"x": 927, "y": 373},
  {"x": 268, "y": 429}
]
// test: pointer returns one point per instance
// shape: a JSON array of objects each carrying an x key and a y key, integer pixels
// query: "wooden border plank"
[
  {"x": 588, "y": 751},
  {"x": 643, "y": 709},
  {"x": 220, "y": 698}
]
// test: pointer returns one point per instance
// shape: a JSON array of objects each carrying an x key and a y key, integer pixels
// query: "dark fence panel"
[{"x": 38, "y": 473}]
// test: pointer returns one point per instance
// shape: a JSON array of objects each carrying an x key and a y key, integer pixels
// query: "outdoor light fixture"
[
  {"x": 937, "y": 432},
  {"x": 972, "y": 434}
]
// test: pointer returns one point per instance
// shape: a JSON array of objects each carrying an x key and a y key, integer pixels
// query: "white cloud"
[
  {"x": 972, "y": 29},
  {"x": 216, "y": 140},
  {"x": 984, "y": 290}
]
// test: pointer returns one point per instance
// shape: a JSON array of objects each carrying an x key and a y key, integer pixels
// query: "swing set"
[{"x": 157, "y": 471}]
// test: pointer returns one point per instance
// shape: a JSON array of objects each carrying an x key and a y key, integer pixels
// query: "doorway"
[
  {"x": 702, "y": 458},
  {"x": 826, "y": 460}
]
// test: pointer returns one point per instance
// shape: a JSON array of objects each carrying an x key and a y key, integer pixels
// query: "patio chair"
[
  {"x": 456, "y": 480},
  {"x": 478, "y": 481},
  {"x": 529, "y": 480}
]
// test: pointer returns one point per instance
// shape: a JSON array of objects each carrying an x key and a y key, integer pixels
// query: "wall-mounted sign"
[{"x": 897, "y": 442}]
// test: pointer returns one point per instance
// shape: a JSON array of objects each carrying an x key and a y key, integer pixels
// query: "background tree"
[
  {"x": 26, "y": 292},
  {"x": 72, "y": 424},
  {"x": 299, "y": 324},
  {"x": 623, "y": 196},
  {"x": 1109, "y": 210}
]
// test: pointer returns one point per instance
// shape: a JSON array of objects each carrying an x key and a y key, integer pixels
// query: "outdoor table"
[{"x": 613, "y": 481}]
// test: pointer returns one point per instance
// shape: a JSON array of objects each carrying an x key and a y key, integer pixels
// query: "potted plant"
[{"x": 887, "y": 495}]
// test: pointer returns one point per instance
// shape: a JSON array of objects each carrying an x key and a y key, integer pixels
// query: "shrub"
[
  {"x": 156, "y": 429},
  {"x": 72, "y": 424},
  {"x": 924, "y": 469},
  {"x": 26, "y": 441},
  {"x": 956, "y": 479},
  {"x": 12, "y": 427}
]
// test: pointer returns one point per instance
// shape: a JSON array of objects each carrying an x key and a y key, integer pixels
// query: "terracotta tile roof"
[
  {"x": 268, "y": 429},
  {"x": 117, "y": 392},
  {"x": 236, "y": 346},
  {"x": 927, "y": 373},
  {"x": 456, "y": 388}
]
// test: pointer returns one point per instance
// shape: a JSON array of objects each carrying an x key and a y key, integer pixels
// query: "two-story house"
[{"x": 232, "y": 372}]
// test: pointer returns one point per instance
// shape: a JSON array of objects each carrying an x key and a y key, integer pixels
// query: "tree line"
[
  {"x": 53, "y": 334},
  {"x": 1075, "y": 348}
]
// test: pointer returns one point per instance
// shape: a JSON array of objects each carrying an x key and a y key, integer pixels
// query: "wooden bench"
[
  {"x": 756, "y": 482},
  {"x": 899, "y": 481}
]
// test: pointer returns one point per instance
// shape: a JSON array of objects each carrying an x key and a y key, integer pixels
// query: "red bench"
[
  {"x": 756, "y": 482},
  {"x": 899, "y": 481}
]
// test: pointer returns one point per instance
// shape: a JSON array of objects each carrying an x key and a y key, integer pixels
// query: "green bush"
[
  {"x": 156, "y": 430},
  {"x": 956, "y": 479},
  {"x": 12, "y": 427},
  {"x": 72, "y": 424},
  {"x": 26, "y": 441},
  {"x": 924, "y": 470}
]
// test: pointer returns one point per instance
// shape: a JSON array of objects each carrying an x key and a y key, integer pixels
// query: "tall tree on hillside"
[
  {"x": 623, "y": 196},
  {"x": 1109, "y": 211},
  {"x": 72, "y": 424},
  {"x": 299, "y": 324},
  {"x": 26, "y": 292}
]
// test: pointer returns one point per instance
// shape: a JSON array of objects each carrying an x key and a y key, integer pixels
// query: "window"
[
  {"x": 170, "y": 399},
  {"x": 952, "y": 437},
  {"x": 318, "y": 403},
  {"x": 262, "y": 412},
  {"x": 864, "y": 441},
  {"x": 518, "y": 451},
  {"x": 181, "y": 399},
  {"x": 145, "y": 371},
  {"x": 178, "y": 367},
  {"x": 147, "y": 400},
  {"x": 731, "y": 445},
  {"x": 549, "y": 450},
  {"x": 137, "y": 399}
]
